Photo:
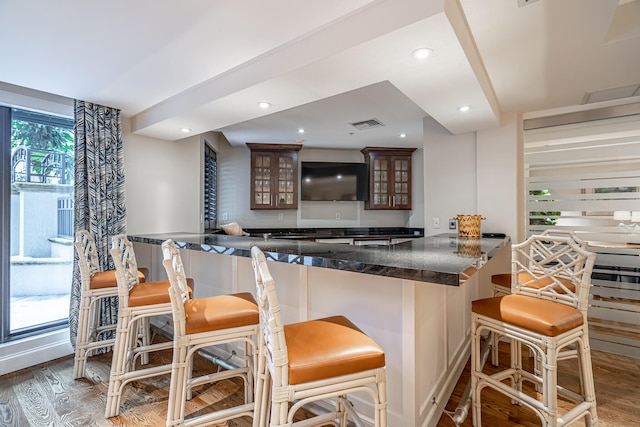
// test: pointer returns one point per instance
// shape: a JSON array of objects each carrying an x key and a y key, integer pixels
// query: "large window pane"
[{"x": 40, "y": 209}]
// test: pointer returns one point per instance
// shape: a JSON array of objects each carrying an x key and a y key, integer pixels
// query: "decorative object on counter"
[
  {"x": 469, "y": 225},
  {"x": 233, "y": 229},
  {"x": 548, "y": 314},
  {"x": 203, "y": 322},
  {"x": 313, "y": 360}
]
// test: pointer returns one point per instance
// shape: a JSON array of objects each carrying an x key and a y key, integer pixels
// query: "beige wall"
[{"x": 473, "y": 173}]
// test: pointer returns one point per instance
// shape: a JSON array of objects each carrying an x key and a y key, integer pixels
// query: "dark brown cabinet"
[
  {"x": 389, "y": 177},
  {"x": 274, "y": 176}
]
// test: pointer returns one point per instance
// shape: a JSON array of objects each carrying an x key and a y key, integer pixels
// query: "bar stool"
[
  {"x": 309, "y": 361},
  {"x": 206, "y": 322},
  {"x": 137, "y": 303},
  {"x": 547, "y": 319},
  {"x": 501, "y": 284},
  {"x": 95, "y": 286}
]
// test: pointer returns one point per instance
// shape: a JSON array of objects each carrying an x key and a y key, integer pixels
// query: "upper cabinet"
[
  {"x": 274, "y": 176},
  {"x": 389, "y": 177}
]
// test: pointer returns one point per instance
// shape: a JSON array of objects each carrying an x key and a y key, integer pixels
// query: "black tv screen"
[{"x": 334, "y": 181}]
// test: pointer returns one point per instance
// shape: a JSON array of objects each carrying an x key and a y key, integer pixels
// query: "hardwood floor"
[
  {"x": 617, "y": 384},
  {"x": 46, "y": 395}
]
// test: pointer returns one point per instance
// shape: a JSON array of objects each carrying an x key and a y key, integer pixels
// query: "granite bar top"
[
  {"x": 443, "y": 259},
  {"x": 329, "y": 233}
]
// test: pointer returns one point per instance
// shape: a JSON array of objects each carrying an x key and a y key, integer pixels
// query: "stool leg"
[
  {"x": 118, "y": 365},
  {"x": 381, "y": 404},
  {"x": 516, "y": 365},
  {"x": 82, "y": 340},
  {"x": 586, "y": 378},
  {"x": 549, "y": 369},
  {"x": 178, "y": 386},
  {"x": 475, "y": 370},
  {"x": 495, "y": 340},
  {"x": 261, "y": 411},
  {"x": 248, "y": 385},
  {"x": 144, "y": 331}
]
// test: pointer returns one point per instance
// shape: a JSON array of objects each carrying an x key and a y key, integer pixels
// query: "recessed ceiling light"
[
  {"x": 464, "y": 108},
  {"x": 422, "y": 53},
  {"x": 300, "y": 130},
  {"x": 403, "y": 135},
  {"x": 185, "y": 130},
  {"x": 264, "y": 104}
]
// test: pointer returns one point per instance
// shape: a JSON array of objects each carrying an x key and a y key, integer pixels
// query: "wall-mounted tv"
[{"x": 334, "y": 181}]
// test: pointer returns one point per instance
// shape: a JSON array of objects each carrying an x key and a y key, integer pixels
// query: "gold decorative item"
[{"x": 469, "y": 225}]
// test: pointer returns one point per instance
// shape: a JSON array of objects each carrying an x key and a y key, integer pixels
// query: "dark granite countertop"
[{"x": 443, "y": 259}]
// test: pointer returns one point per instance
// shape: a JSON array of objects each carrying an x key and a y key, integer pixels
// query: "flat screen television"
[{"x": 334, "y": 181}]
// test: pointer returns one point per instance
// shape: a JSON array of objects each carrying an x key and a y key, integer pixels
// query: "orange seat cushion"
[
  {"x": 221, "y": 312},
  {"x": 504, "y": 279},
  {"x": 545, "y": 317},
  {"x": 149, "y": 293},
  {"x": 107, "y": 279},
  {"x": 329, "y": 347}
]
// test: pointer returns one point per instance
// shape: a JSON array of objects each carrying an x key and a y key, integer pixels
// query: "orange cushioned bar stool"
[
  {"x": 95, "y": 286},
  {"x": 204, "y": 322},
  {"x": 137, "y": 303},
  {"x": 502, "y": 286},
  {"x": 300, "y": 363},
  {"x": 548, "y": 314}
]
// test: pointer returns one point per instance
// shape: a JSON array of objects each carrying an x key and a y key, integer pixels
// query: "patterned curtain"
[{"x": 99, "y": 194}]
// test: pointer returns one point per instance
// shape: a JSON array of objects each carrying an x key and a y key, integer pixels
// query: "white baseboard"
[{"x": 34, "y": 350}]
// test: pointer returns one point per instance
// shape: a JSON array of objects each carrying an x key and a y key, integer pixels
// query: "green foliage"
[
  {"x": 545, "y": 215},
  {"x": 39, "y": 136}
]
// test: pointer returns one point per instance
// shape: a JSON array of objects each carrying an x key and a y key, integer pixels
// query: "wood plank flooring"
[{"x": 46, "y": 395}]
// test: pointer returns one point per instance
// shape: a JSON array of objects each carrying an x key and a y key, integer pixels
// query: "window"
[
  {"x": 36, "y": 207},
  {"x": 585, "y": 177},
  {"x": 210, "y": 188}
]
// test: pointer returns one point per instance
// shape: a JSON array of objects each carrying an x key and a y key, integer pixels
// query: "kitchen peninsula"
[{"x": 412, "y": 297}]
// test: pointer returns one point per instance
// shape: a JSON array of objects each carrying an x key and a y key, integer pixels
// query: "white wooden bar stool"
[
  {"x": 201, "y": 323},
  {"x": 547, "y": 319},
  {"x": 300, "y": 363},
  {"x": 95, "y": 286},
  {"x": 137, "y": 303},
  {"x": 501, "y": 284}
]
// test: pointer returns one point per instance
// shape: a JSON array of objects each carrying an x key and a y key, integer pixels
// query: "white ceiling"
[{"x": 322, "y": 64}]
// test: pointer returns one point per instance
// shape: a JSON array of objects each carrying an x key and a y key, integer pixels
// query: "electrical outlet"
[
  {"x": 436, "y": 222},
  {"x": 452, "y": 224},
  {"x": 225, "y": 216},
  {"x": 280, "y": 216},
  {"x": 337, "y": 215}
]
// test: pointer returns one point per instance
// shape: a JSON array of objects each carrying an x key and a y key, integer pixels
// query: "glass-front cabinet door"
[
  {"x": 274, "y": 176},
  {"x": 389, "y": 177}
]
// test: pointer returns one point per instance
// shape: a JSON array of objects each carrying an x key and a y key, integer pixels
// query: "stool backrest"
[
  {"x": 178, "y": 291},
  {"x": 87, "y": 256},
  {"x": 272, "y": 339},
  {"x": 124, "y": 259},
  {"x": 565, "y": 233},
  {"x": 560, "y": 270}
]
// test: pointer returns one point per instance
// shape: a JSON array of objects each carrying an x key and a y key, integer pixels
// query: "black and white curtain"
[{"x": 99, "y": 194}]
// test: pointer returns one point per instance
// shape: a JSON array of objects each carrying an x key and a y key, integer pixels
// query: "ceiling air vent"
[{"x": 367, "y": 124}]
